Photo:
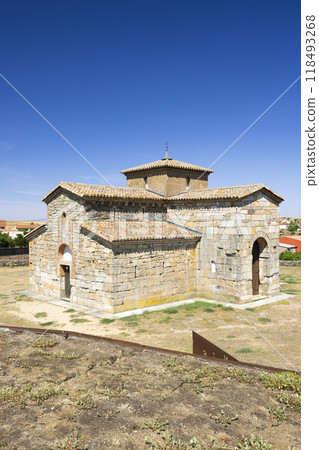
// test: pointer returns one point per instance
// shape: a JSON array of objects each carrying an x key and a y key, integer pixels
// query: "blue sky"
[{"x": 120, "y": 78}]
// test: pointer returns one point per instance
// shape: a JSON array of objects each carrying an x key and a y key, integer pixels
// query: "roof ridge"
[{"x": 174, "y": 163}]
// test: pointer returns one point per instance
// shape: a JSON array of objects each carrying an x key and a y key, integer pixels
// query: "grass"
[
  {"x": 171, "y": 311},
  {"x": 70, "y": 310},
  {"x": 133, "y": 318},
  {"x": 264, "y": 319},
  {"x": 40, "y": 314},
  {"x": 46, "y": 324},
  {"x": 79, "y": 320},
  {"x": 107, "y": 320},
  {"x": 245, "y": 350}
]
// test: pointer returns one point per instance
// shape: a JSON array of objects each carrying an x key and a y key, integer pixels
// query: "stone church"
[{"x": 165, "y": 237}]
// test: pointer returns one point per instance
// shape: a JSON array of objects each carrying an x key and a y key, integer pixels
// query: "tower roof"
[{"x": 166, "y": 163}]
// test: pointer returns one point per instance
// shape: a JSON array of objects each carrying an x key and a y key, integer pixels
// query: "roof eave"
[{"x": 36, "y": 232}]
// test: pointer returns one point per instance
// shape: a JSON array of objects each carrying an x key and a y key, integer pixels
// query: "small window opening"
[
  {"x": 146, "y": 182},
  {"x": 187, "y": 183},
  {"x": 213, "y": 267}
]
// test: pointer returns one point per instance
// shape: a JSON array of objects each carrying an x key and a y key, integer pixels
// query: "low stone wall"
[
  {"x": 290, "y": 263},
  {"x": 14, "y": 260}
]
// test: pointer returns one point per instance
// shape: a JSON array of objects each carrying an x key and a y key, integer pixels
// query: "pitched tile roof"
[
  {"x": 173, "y": 163},
  {"x": 35, "y": 232},
  {"x": 90, "y": 191},
  {"x": 234, "y": 192},
  {"x": 96, "y": 192},
  {"x": 292, "y": 241},
  {"x": 136, "y": 230}
]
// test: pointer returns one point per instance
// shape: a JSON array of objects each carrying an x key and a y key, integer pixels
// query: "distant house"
[
  {"x": 283, "y": 226},
  {"x": 13, "y": 233},
  {"x": 26, "y": 226},
  {"x": 290, "y": 243},
  {"x": 3, "y": 224}
]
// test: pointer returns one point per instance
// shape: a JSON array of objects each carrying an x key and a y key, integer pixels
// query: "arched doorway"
[
  {"x": 258, "y": 247},
  {"x": 65, "y": 261}
]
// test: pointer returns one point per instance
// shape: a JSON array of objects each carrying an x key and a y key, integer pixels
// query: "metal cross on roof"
[{"x": 166, "y": 154}]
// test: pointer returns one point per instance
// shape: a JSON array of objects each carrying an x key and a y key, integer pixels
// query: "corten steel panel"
[{"x": 203, "y": 347}]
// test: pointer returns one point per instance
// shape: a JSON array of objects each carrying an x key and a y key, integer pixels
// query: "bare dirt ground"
[
  {"x": 75, "y": 393},
  {"x": 268, "y": 335},
  {"x": 81, "y": 394}
]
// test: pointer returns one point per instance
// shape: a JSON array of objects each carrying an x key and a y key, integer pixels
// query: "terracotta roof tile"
[
  {"x": 173, "y": 163},
  {"x": 135, "y": 230},
  {"x": 36, "y": 231},
  {"x": 91, "y": 191},
  {"x": 95, "y": 192},
  {"x": 223, "y": 192},
  {"x": 292, "y": 241}
]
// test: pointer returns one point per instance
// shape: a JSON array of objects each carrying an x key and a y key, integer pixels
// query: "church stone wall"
[
  {"x": 167, "y": 181},
  {"x": 229, "y": 230},
  {"x": 153, "y": 272}
]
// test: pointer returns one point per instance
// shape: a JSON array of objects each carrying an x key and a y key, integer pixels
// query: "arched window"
[
  {"x": 146, "y": 182},
  {"x": 65, "y": 254},
  {"x": 63, "y": 222}
]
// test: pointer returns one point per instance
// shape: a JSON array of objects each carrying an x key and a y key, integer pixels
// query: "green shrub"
[{"x": 288, "y": 256}]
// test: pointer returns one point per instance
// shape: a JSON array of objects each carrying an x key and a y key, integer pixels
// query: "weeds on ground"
[
  {"x": 287, "y": 381},
  {"x": 72, "y": 442},
  {"x": 46, "y": 324},
  {"x": 44, "y": 342},
  {"x": 290, "y": 400},
  {"x": 21, "y": 394},
  {"x": 85, "y": 401},
  {"x": 207, "y": 373},
  {"x": 108, "y": 393},
  {"x": 12, "y": 357},
  {"x": 279, "y": 414},
  {"x": 47, "y": 354},
  {"x": 70, "y": 310},
  {"x": 158, "y": 426},
  {"x": 223, "y": 419},
  {"x": 165, "y": 440},
  {"x": 253, "y": 443}
]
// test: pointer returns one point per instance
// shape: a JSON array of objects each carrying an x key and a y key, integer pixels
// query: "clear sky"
[{"x": 120, "y": 78}]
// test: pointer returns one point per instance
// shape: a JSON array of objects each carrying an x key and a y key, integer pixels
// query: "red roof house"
[{"x": 291, "y": 240}]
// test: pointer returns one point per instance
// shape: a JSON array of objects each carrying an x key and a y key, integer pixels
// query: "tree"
[
  {"x": 6, "y": 240},
  {"x": 20, "y": 241},
  {"x": 292, "y": 227}
]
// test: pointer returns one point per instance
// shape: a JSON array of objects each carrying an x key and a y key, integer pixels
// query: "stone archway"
[
  {"x": 65, "y": 262},
  {"x": 259, "y": 248}
]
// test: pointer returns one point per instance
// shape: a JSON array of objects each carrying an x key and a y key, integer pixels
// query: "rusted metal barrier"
[
  {"x": 223, "y": 358},
  {"x": 203, "y": 347}
]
